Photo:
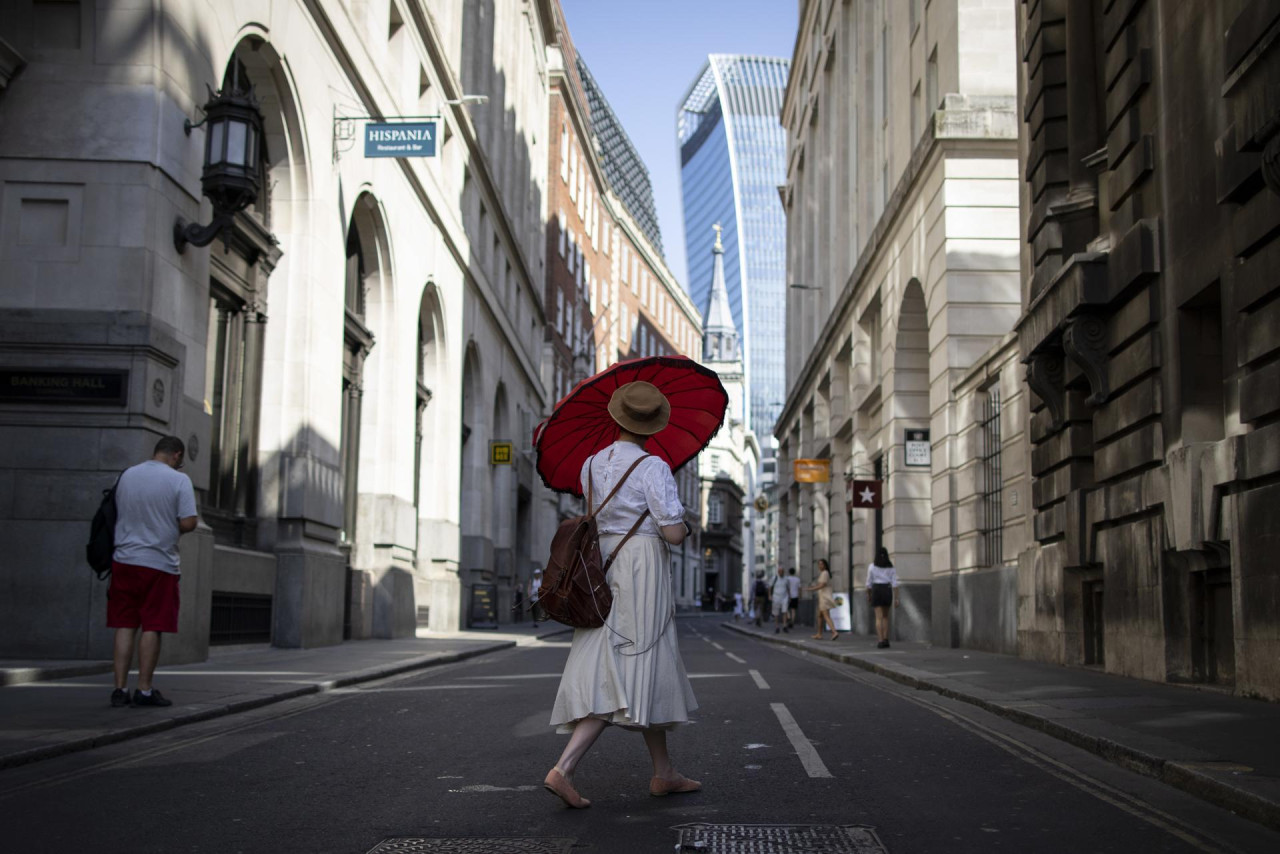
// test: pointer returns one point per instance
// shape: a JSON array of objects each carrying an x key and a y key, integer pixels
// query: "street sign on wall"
[
  {"x": 84, "y": 387},
  {"x": 916, "y": 448},
  {"x": 812, "y": 471},
  {"x": 400, "y": 139}
]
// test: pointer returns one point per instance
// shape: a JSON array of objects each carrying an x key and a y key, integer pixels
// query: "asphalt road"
[{"x": 781, "y": 738}]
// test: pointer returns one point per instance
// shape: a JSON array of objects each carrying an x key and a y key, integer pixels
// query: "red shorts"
[{"x": 142, "y": 596}]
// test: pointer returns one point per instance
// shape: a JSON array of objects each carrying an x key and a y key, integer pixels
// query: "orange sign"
[{"x": 812, "y": 471}]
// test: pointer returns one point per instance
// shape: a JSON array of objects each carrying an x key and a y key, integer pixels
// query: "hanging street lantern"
[{"x": 232, "y": 176}]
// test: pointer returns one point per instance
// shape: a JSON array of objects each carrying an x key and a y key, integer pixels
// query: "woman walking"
[
  {"x": 826, "y": 601},
  {"x": 882, "y": 593},
  {"x": 628, "y": 672}
]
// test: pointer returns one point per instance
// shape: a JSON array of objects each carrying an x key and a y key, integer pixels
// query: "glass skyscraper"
[{"x": 733, "y": 153}]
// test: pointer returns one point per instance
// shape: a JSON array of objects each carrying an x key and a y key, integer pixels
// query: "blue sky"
[{"x": 645, "y": 55}]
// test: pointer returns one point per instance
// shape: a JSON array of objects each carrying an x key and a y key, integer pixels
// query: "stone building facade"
[
  {"x": 338, "y": 366},
  {"x": 1150, "y": 329},
  {"x": 902, "y": 259}
]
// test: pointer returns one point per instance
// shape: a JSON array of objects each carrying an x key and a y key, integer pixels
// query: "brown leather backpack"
[{"x": 574, "y": 589}]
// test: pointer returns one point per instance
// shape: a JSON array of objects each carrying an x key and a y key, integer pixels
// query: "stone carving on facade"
[
  {"x": 1044, "y": 376},
  {"x": 1085, "y": 342}
]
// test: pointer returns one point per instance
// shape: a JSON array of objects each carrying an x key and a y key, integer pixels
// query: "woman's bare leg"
[
  {"x": 584, "y": 735},
  {"x": 882, "y": 622},
  {"x": 656, "y": 741}
]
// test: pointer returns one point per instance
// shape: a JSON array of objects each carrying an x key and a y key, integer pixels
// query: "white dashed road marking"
[
  {"x": 717, "y": 646},
  {"x": 735, "y": 658},
  {"x": 809, "y": 758},
  {"x": 760, "y": 683}
]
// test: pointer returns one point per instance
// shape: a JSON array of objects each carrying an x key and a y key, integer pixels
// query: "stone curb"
[
  {"x": 36, "y": 754},
  {"x": 26, "y": 675},
  {"x": 1181, "y": 775}
]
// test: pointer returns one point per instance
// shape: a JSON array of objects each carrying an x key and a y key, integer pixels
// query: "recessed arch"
[
  {"x": 431, "y": 353},
  {"x": 911, "y": 357},
  {"x": 283, "y": 206}
]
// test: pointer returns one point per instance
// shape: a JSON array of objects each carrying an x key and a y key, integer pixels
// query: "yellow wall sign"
[
  {"x": 812, "y": 471},
  {"x": 500, "y": 453}
]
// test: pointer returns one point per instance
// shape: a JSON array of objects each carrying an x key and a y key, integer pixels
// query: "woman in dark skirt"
[{"x": 882, "y": 593}]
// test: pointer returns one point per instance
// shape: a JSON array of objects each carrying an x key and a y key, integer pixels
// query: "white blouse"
[
  {"x": 650, "y": 486},
  {"x": 882, "y": 575}
]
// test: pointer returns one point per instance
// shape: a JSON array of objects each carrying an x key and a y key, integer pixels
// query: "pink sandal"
[{"x": 556, "y": 784}]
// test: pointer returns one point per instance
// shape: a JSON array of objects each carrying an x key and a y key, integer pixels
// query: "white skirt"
[{"x": 603, "y": 677}]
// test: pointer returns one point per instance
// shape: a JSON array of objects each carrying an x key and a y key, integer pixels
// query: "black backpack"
[
  {"x": 762, "y": 589},
  {"x": 102, "y": 534}
]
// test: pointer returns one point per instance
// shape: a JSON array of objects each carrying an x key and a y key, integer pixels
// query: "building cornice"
[
  {"x": 802, "y": 27},
  {"x": 930, "y": 149}
]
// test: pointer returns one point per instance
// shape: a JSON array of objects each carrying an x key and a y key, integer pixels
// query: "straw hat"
[{"x": 640, "y": 408}]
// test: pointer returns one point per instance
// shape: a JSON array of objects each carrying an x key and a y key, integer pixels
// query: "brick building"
[{"x": 609, "y": 294}]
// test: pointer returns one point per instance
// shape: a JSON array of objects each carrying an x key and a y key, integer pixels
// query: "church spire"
[{"x": 720, "y": 334}]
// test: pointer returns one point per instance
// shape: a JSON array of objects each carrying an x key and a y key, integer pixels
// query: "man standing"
[
  {"x": 793, "y": 593},
  {"x": 155, "y": 505},
  {"x": 759, "y": 596},
  {"x": 780, "y": 593}
]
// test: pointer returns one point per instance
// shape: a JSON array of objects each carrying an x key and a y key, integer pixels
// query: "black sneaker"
[
  {"x": 119, "y": 697},
  {"x": 156, "y": 699}
]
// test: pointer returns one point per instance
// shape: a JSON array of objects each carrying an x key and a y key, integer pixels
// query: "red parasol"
[{"x": 581, "y": 425}]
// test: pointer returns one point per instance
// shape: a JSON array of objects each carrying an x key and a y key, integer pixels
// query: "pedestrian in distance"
[
  {"x": 793, "y": 592},
  {"x": 826, "y": 601},
  {"x": 517, "y": 606},
  {"x": 628, "y": 672},
  {"x": 737, "y": 607},
  {"x": 534, "y": 584},
  {"x": 155, "y": 505},
  {"x": 882, "y": 593},
  {"x": 760, "y": 598},
  {"x": 780, "y": 595}
]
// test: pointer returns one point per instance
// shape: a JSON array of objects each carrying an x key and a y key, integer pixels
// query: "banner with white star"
[{"x": 866, "y": 494}]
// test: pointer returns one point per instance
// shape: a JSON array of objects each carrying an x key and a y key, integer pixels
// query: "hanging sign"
[
  {"x": 865, "y": 494},
  {"x": 812, "y": 471},
  {"x": 918, "y": 451},
  {"x": 500, "y": 453},
  {"x": 400, "y": 139}
]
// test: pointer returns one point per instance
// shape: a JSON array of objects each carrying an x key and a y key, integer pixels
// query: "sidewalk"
[
  {"x": 51, "y": 708},
  {"x": 1216, "y": 746}
]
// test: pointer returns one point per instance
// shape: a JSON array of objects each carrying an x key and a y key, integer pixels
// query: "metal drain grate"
[
  {"x": 779, "y": 839},
  {"x": 473, "y": 845}
]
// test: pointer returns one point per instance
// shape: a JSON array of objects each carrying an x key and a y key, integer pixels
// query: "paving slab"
[
  {"x": 1208, "y": 742},
  {"x": 68, "y": 708}
]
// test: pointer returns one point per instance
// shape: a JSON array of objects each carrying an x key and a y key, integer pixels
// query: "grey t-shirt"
[{"x": 150, "y": 500}]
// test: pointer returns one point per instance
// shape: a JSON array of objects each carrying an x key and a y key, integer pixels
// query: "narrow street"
[{"x": 781, "y": 738}]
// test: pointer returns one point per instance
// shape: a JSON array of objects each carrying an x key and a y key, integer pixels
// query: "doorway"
[{"x": 1094, "y": 625}]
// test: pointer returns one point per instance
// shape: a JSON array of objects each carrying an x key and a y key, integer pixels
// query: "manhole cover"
[
  {"x": 779, "y": 839},
  {"x": 473, "y": 845}
]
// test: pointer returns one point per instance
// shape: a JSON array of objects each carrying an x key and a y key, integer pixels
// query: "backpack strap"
[
  {"x": 592, "y": 513},
  {"x": 608, "y": 563}
]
